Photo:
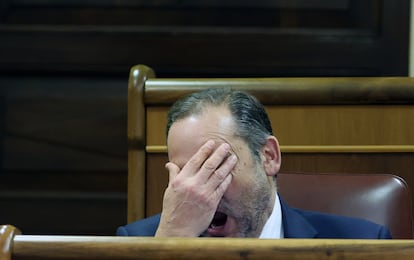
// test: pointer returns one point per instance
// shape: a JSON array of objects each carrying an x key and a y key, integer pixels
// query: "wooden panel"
[
  {"x": 343, "y": 125},
  {"x": 83, "y": 118},
  {"x": 63, "y": 154},
  {"x": 89, "y": 247},
  {"x": 278, "y": 91},
  {"x": 64, "y": 213},
  {"x": 369, "y": 138},
  {"x": 325, "y": 125},
  {"x": 157, "y": 181},
  {"x": 195, "y": 12},
  {"x": 177, "y": 38}
]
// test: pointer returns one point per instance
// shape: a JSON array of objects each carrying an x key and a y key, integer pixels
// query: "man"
[{"x": 223, "y": 163}]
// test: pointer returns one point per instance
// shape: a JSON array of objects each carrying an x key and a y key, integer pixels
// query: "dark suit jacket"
[{"x": 296, "y": 224}]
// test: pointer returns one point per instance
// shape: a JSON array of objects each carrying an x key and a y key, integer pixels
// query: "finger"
[
  {"x": 196, "y": 161},
  {"x": 173, "y": 170},
  {"x": 219, "y": 156},
  {"x": 221, "y": 173},
  {"x": 221, "y": 189}
]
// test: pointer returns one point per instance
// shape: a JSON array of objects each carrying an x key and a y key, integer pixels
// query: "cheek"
[{"x": 242, "y": 180}]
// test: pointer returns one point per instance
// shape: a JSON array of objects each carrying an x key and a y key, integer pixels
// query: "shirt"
[{"x": 273, "y": 227}]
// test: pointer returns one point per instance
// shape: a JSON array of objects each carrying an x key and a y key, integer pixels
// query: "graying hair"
[{"x": 252, "y": 122}]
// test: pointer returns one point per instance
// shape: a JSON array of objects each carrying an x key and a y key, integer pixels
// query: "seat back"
[
  {"x": 340, "y": 124},
  {"x": 381, "y": 198}
]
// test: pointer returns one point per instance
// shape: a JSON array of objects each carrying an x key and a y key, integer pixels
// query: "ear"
[{"x": 271, "y": 157}]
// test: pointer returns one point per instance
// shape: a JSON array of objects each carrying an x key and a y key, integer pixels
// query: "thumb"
[{"x": 173, "y": 169}]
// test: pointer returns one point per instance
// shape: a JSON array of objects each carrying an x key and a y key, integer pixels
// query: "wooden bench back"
[{"x": 336, "y": 125}]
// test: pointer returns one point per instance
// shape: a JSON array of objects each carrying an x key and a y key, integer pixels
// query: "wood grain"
[{"x": 75, "y": 247}]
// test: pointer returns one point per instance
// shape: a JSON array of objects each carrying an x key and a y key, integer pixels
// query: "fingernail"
[{"x": 226, "y": 146}]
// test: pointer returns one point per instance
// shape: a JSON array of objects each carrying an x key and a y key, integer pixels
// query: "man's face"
[{"x": 248, "y": 202}]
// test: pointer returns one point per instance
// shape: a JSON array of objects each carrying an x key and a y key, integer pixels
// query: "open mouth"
[
  {"x": 217, "y": 225},
  {"x": 219, "y": 220}
]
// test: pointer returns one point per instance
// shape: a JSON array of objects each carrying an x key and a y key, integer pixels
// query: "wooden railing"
[
  {"x": 85, "y": 248},
  {"x": 24, "y": 247}
]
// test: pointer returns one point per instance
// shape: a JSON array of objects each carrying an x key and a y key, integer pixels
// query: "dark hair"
[{"x": 252, "y": 122}]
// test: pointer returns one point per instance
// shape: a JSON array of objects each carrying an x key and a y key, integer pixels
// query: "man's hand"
[{"x": 194, "y": 192}]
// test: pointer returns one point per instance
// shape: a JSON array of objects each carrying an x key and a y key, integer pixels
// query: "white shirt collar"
[{"x": 273, "y": 227}]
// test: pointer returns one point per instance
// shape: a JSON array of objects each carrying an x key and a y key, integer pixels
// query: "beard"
[{"x": 251, "y": 209}]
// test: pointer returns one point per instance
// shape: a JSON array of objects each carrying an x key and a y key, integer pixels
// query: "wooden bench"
[
  {"x": 39, "y": 247},
  {"x": 7, "y": 234},
  {"x": 334, "y": 125}
]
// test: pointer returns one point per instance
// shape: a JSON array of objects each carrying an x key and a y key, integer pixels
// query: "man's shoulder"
[
  {"x": 299, "y": 223},
  {"x": 143, "y": 227},
  {"x": 338, "y": 226}
]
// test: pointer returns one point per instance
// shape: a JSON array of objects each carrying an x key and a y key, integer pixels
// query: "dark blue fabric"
[
  {"x": 309, "y": 224},
  {"x": 296, "y": 224},
  {"x": 145, "y": 227}
]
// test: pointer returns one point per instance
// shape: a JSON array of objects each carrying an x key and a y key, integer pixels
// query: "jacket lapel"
[{"x": 294, "y": 224}]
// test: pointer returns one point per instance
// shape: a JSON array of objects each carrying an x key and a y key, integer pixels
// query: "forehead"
[
  {"x": 187, "y": 135},
  {"x": 212, "y": 121}
]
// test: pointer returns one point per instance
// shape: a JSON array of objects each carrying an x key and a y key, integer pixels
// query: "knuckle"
[
  {"x": 175, "y": 183},
  {"x": 195, "y": 162},
  {"x": 219, "y": 174},
  {"x": 209, "y": 166},
  {"x": 193, "y": 190}
]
